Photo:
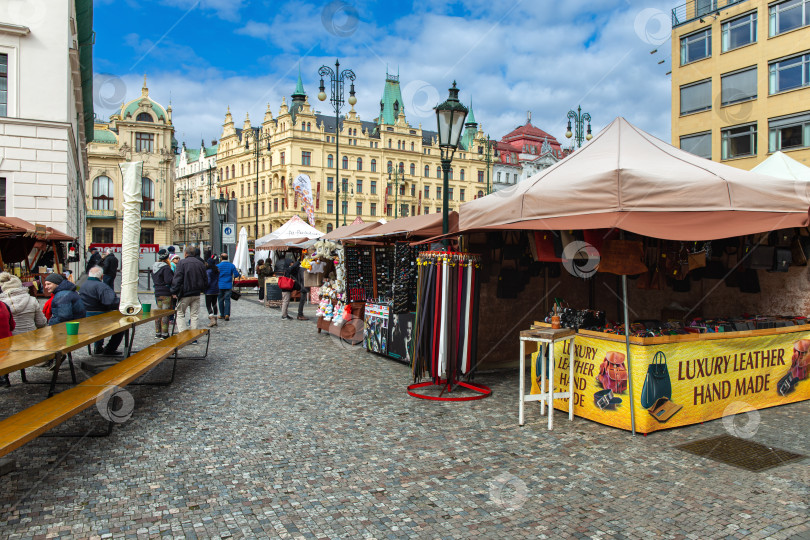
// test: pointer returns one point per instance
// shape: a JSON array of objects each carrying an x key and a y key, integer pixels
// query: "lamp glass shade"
[
  {"x": 222, "y": 207},
  {"x": 450, "y": 117},
  {"x": 322, "y": 95}
]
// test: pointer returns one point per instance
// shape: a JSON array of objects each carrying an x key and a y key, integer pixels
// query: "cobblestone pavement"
[{"x": 283, "y": 433}]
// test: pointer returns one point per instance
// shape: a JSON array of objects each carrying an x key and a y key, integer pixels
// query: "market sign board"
[{"x": 703, "y": 380}]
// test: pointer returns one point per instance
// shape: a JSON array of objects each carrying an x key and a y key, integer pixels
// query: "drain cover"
[{"x": 742, "y": 453}]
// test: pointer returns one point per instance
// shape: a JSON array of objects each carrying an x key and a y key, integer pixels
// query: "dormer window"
[
  {"x": 396, "y": 106},
  {"x": 144, "y": 117}
]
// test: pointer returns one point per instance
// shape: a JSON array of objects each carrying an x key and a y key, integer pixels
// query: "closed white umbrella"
[{"x": 241, "y": 259}]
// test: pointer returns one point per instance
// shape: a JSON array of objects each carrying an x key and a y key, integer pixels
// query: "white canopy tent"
[
  {"x": 241, "y": 259},
  {"x": 294, "y": 228},
  {"x": 780, "y": 165}
]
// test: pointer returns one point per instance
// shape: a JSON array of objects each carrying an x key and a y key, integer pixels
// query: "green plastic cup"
[
  {"x": 72, "y": 328},
  {"x": 146, "y": 308}
]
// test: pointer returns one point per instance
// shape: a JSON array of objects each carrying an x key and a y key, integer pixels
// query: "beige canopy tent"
[
  {"x": 348, "y": 231},
  {"x": 781, "y": 165},
  {"x": 424, "y": 226},
  {"x": 628, "y": 179}
]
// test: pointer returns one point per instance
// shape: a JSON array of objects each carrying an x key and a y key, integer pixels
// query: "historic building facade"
[
  {"x": 387, "y": 168},
  {"x": 141, "y": 131},
  {"x": 196, "y": 183},
  {"x": 524, "y": 152},
  {"x": 740, "y": 84}
]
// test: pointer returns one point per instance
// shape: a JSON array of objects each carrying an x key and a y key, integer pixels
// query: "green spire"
[
  {"x": 470, "y": 116},
  {"x": 299, "y": 94},
  {"x": 391, "y": 103}
]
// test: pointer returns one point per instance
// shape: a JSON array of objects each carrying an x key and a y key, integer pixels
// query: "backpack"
[{"x": 613, "y": 373}]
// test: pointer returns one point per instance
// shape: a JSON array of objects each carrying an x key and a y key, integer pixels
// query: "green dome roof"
[
  {"x": 104, "y": 136},
  {"x": 132, "y": 106}
]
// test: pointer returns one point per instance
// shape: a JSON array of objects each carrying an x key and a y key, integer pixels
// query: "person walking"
[
  {"x": 283, "y": 268},
  {"x": 162, "y": 276},
  {"x": 227, "y": 271},
  {"x": 98, "y": 298},
  {"x": 93, "y": 260},
  {"x": 188, "y": 283},
  {"x": 66, "y": 304},
  {"x": 110, "y": 265},
  {"x": 212, "y": 292},
  {"x": 297, "y": 273}
]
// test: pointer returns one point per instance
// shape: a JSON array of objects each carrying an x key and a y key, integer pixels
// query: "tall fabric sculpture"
[
  {"x": 446, "y": 325},
  {"x": 132, "y": 172}
]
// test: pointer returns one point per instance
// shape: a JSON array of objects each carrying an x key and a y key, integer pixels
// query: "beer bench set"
[{"x": 52, "y": 343}]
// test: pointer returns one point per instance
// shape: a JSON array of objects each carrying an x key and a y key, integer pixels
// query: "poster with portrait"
[
  {"x": 375, "y": 327},
  {"x": 400, "y": 347}
]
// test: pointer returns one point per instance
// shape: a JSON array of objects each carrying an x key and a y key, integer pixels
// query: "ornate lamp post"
[
  {"x": 579, "y": 119},
  {"x": 337, "y": 79},
  {"x": 489, "y": 152},
  {"x": 450, "y": 117},
  {"x": 222, "y": 212},
  {"x": 348, "y": 193},
  {"x": 258, "y": 139},
  {"x": 398, "y": 174},
  {"x": 185, "y": 194}
]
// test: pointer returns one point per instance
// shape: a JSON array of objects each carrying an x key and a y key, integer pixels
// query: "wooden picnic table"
[{"x": 52, "y": 342}]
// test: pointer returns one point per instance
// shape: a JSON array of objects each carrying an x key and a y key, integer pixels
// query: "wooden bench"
[{"x": 34, "y": 421}]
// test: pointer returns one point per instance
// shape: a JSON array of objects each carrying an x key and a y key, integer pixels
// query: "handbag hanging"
[
  {"x": 622, "y": 257},
  {"x": 656, "y": 384},
  {"x": 286, "y": 283},
  {"x": 235, "y": 295}
]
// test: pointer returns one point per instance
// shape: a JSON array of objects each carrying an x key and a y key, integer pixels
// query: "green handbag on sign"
[{"x": 656, "y": 384}]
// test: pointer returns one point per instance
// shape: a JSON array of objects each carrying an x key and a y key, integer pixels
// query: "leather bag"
[
  {"x": 782, "y": 259},
  {"x": 656, "y": 384},
  {"x": 613, "y": 373},
  {"x": 235, "y": 295},
  {"x": 758, "y": 257},
  {"x": 622, "y": 257}
]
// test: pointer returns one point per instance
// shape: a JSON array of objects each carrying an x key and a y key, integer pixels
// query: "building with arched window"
[{"x": 141, "y": 130}]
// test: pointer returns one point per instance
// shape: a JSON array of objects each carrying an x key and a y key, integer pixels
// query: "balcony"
[
  {"x": 150, "y": 215},
  {"x": 695, "y": 9},
  {"x": 100, "y": 214}
]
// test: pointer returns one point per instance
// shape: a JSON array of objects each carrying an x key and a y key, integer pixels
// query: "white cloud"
[{"x": 255, "y": 29}]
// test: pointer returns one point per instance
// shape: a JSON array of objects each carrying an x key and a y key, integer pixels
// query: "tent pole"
[{"x": 627, "y": 347}]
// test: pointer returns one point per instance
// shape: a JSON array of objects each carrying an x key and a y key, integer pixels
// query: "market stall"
[
  {"x": 649, "y": 192},
  {"x": 32, "y": 251}
]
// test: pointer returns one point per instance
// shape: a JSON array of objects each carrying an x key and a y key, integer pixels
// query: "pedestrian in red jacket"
[{"x": 6, "y": 328}]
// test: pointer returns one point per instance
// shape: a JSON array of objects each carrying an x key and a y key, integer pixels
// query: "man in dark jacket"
[
  {"x": 189, "y": 282},
  {"x": 66, "y": 304},
  {"x": 297, "y": 273},
  {"x": 99, "y": 298},
  {"x": 162, "y": 276},
  {"x": 110, "y": 265},
  {"x": 94, "y": 260}
]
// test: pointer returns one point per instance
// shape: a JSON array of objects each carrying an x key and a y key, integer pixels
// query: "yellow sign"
[{"x": 677, "y": 384}]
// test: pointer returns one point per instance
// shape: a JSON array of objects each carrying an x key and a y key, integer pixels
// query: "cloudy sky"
[{"x": 508, "y": 58}]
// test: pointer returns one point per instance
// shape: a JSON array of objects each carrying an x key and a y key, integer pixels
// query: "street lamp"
[
  {"x": 185, "y": 194},
  {"x": 450, "y": 117},
  {"x": 346, "y": 197},
  {"x": 488, "y": 153},
  {"x": 397, "y": 177},
  {"x": 258, "y": 138},
  {"x": 222, "y": 212},
  {"x": 579, "y": 119},
  {"x": 337, "y": 79}
]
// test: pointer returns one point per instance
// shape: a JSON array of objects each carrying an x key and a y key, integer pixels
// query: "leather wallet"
[{"x": 663, "y": 409}]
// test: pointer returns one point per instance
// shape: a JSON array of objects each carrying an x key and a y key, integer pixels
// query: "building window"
[
  {"x": 461, "y": 195},
  {"x": 438, "y": 210},
  {"x": 2, "y": 196},
  {"x": 330, "y": 207},
  {"x": 306, "y": 158},
  {"x": 242, "y": 173},
  {"x": 480, "y": 193},
  {"x": 789, "y": 73},
  {"x": 263, "y": 206},
  {"x": 103, "y": 193},
  {"x": 233, "y": 171},
  {"x": 438, "y": 192},
  {"x": 499, "y": 177},
  {"x": 281, "y": 157},
  {"x": 373, "y": 188},
  {"x": 344, "y": 207},
  {"x": 3, "y": 85},
  {"x": 413, "y": 169},
  {"x": 739, "y": 141},
  {"x": 481, "y": 176},
  {"x": 438, "y": 171},
  {"x": 789, "y": 132},
  {"x": 275, "y": 205},
  {"x": 144, "y": 117},
  {"x": 787, "y": 16},
  {"x": 401, "y": 167},
  {"x": 403, "y": 210},
  {"x": 413, "y": 190},
  {"x": 359, "y": 187},
  {"x": 147, "y": 236},
  {"x": 345, "y": 162},
  {"x": 344, "y": 185},
  {"x": 426, "y": 210},
  {"x": 390, "y": 166},
  {"x": 373, "y": 165},
  {"x": 143, "y": 142},
  {"x": 242, "y": 190},
  {"x": 738, "y": 86},
  {"x": 696, "y": 97},
  {"x": 330, "y": 183},
  {"x": 450, "y": 194},
  {"x": 359, "y": 209},
  {"x": 359, "y": 164},
  {"x": 461, "y": 175},
  {"x": 739, "y": 32},
  {"x": 102, "y": 235},
  {"x": 330, "y": 161},
  {"x": 427, "y": 171},
  {"x": 427, "y": 192},
  {"x": 262, "y": 185},
  {"x": 148, "y": 188},
  {"x": 328, "y": 227},
  {"x": 696, "y": 46},
  {"x": 699, "y": 144},
  {"x": 389, "y": 209}
]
